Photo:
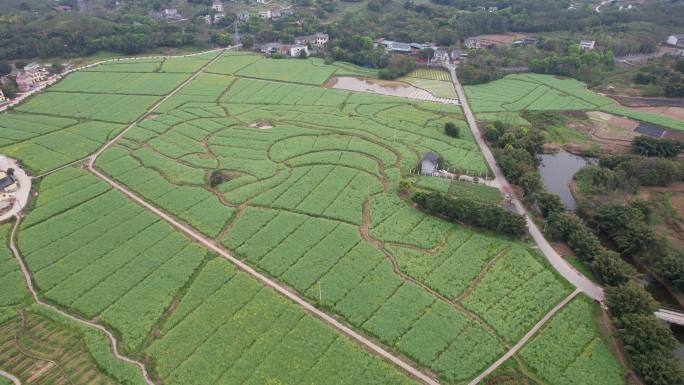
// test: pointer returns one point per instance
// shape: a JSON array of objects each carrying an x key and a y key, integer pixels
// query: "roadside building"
[
  {"x": 317, "y": 39},
  {"x": 472, "y": 43},
  {"x": 24, "y": 81},
  {"x": 429, "y": 163},
  {"x": 676, "y": 40},
  {"x": 291, "y": 50},
  {"x": 458, "y": 54},
  {"x": 7, "y": 183},
  {"x": 587, "y": 45},
  {"x": 440, "y": 56}
]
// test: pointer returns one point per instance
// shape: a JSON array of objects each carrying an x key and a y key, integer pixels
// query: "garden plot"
[
  {"x": 120, "y": 83},
  {"x": 503, "y": 98},
  {"x": 310, "y": 71}
]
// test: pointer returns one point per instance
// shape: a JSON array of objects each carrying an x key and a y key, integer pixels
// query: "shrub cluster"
[{"x": 468, "y": 211}]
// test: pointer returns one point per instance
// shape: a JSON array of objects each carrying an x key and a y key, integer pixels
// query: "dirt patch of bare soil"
[
  {"x": 642, "y": 101},
  {"x": 262, "y": 125},
  {"x": 500, "y": 39}
]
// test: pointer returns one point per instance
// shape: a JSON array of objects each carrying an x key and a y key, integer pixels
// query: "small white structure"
[
  {"x": 2, "y": 97},
  {"x": 492, "y": 9},
  {"x": 207, "y": 19},
  {"x": 429, "y": 164},
  {"x": 217, "y": 6},
  {"x": 296, "y": 50},
  {"x": 317, "y": 39},
  {"x": 587, "y": 45},
  {"x": 219, "y": 16},
  {"x": 472, "y": 43},
  {"x": 676, "y": 40},
  {"x": 440, "y": 56}
]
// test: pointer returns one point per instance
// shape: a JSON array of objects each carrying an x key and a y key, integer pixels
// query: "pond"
[{"x": 557, "y": 171}]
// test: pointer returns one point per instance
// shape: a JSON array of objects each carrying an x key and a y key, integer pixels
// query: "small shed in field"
[{"x": 429, "y": 163}]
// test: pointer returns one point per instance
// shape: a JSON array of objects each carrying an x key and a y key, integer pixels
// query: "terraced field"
[
  {"x": 503, "y": 99},
  {"x": 300, "y": 182}
]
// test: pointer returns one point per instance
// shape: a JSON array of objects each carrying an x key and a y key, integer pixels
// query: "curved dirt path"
[
  {"x": 34, "y": 294},
  {"x": 10, "y": 377}
]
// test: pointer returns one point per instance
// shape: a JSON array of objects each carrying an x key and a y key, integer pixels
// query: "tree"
[
  {"x": 10, "y": 171},
  {"x": 5, "y": 68},
  {"x": 548, "y": 203},
  {"x": 247, "y": 41},
  {"x": 644, "y": 334},
  {"x": 451, "y": 129},
  {"x": 9, "y": 90},
  {"x": 611, "y": 270},
  {"x": 629, "y": 298},
  {"x": 652, "y": 147}
]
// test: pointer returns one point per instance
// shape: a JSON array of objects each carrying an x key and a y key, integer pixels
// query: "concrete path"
[
  {"x": 34, "y": 294},
  {"x": 10, "y": 377},
  {"x": 573, "y": 276},
  {"x": 22, "y": 194},
  {"x": 524, "y": 340},
  {"x": 671, "y": 316}
]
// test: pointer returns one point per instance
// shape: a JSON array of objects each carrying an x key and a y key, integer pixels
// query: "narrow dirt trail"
[
  {"x": 90, "y": 324},
  {"x": 512, "y": 351}
]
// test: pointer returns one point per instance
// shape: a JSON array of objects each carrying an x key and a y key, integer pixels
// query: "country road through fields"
[{"x": 576, "y": 278}]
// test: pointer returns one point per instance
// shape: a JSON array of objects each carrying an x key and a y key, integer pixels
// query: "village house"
[
  {"x": 429, "y": 163},
  {"x": 394, "y": 46},
  {"x": 587, "y": 45},
  {"x": 24, "y": 81},
  {"x": 171, "y": 14},
  {"x": 317, "y": 39},
  {"x": 676, "y": 40},
  {"x": 492, "y": 9},
  {"x": 291, "y": 50},
  {"x": 274, "y": 14},
  {"x": 457, "y": 55},
  {"x": 37, "y": 72},
  {"x": 7, "y": 183},
  {"x": 219, "y": 16},
  {"x": 217, "y": 6},
  {"x": 472, "y": 43},
  {"x": 440, "y": 56}
]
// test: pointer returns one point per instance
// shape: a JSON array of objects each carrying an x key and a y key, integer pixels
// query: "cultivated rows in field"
[
  {"x": 94, "y": 252},
  {"x": 293, "y": 207},
  {"x": 40, "y": 351},
  {"x": 498, "y": 99},
  {"x": 12, "y": 286},
  {"x": 260, "y": 336},
  {"x": 533, "y": 92},
  {"x": 312, "y": 71},
  {"x": 570, "y": 350},
  {"x": 75, "y": 116},
  {"x": 431, "y": 74},
  {"x": 458, "y": 188}
]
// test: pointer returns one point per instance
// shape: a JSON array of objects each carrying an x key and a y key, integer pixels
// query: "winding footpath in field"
[
  {"x": 211, "y": 245},
  {"x": 90, "y": 324}
]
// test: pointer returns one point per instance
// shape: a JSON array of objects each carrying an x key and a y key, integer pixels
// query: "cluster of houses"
[
  {"x": 438, "y": 56},
  {"x": 217, "y": 7},
  {"x": 676, "y": 40},
  {"x": 31, "y": 75},
  {"x": 300, "y": 46}
]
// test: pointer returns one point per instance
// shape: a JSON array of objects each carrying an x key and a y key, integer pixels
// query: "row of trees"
[{"x": 471, "y": 212}]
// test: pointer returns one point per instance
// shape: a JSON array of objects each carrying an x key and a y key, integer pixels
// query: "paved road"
[
  {"x": 578, "y": 280},
  {"x": 34, "y": 294},
  {"x": 24, "y": 190},
  {"x": 670, "y": 316},
  {"x": 524, "y": 340},
  {"x": 10, "y": 377}
]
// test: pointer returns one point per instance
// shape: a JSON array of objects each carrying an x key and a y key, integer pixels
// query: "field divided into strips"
[
  {"x": 570, "y": 350},
  {"x": 81, "y": 112},
  {"x": 435, "y": 81},
  {"x": 299, "y": 164},
  {"x": 13, "y": 291},
  {"x": 502, "y": 99},
  {"x": 94, "y": 252}
]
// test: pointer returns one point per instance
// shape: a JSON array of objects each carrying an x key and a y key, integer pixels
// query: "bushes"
[
  {"x": 472, "y": 212},
  {"x": 646, "y": 171},
  {"x": 397, "y": 66},
  {"x": 452, "y": 130},
  {"x": 665, "y": 148}
]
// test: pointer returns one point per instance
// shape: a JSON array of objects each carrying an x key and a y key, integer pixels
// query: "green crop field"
[
  {"x": 300, "y": 182},
  {"x": 500, "y": 99}
]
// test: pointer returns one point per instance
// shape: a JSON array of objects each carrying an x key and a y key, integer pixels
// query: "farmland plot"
[
  {"x": 301, "y": 183},
  {"x": 503, "y": 98}
]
